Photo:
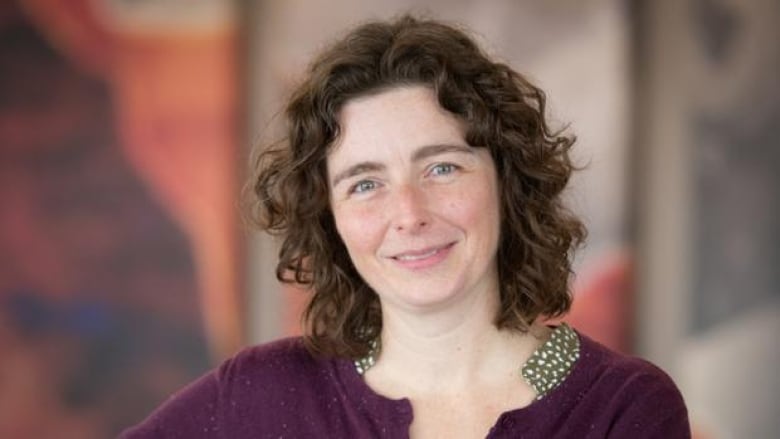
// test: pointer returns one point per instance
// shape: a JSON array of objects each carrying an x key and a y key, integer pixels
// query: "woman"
[{"x": 418, "y": 196}]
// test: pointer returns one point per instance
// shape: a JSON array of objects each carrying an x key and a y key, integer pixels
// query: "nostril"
[{"x": 411, "y": 225}]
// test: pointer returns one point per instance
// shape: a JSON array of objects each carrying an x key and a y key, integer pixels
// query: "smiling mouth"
[{"x": 421, "y": 255}]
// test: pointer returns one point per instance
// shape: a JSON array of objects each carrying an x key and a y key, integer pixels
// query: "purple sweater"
[{"x": 279, "y": 390}]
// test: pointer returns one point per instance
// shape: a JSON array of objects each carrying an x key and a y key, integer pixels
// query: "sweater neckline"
[
  {"x": 400, "y": 410},
  {"x": 544, "y": 370}
]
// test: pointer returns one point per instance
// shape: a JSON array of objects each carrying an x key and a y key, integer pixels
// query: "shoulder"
[
  {"x": 639, "y": 396},
  {"x": 621, "y": 372},
  {"x": 287, "y": 356},
  {"x": 281, "y": 370},
  {"x": 248, "y": 382}
]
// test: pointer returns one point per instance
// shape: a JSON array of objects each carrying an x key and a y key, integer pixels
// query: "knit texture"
[{"x": 278, "y": 390}]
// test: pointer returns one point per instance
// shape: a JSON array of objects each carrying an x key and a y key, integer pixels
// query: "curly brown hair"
[{"x": 502, "y": 110}]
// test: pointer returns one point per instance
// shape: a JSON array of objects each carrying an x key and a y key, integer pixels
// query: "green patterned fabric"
[
  {"x": 552, "y": 362},
  {"x": 365, "y": 363}
]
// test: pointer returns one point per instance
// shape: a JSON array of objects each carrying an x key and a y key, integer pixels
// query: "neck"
[{"x": 448, "y": 350}]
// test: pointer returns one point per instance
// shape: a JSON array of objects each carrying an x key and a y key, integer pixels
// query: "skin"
[
  {"x": 418, "y": 210},
  {"x": 415, "y": 205}
]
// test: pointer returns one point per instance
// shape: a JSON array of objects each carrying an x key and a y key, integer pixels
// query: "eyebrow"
[
  {"x": 432, "y": 150},
  {"x": 419, "y": 154},
  {"x": 357, "y": 169}
]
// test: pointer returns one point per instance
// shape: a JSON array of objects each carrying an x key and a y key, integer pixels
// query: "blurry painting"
[{"x": 119, "y": 278}]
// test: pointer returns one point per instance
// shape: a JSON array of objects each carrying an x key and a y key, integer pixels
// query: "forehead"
[{"x": 395, "y": 120}]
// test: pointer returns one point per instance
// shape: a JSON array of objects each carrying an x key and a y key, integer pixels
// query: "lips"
[
  {"x": 424, "y": 257},
  {"x": 416, "y": 256}
]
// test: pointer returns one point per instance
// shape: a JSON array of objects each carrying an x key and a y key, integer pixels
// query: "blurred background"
[{"x": 125, "y": 127}]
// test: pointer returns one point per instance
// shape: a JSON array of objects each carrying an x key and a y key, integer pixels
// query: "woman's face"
[{"x": 416, "y": 207}]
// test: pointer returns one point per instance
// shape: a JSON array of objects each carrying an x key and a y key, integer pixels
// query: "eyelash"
[
  {"x": 450, "y": 168},
  {"x": 356, "y": 188},
  {"x": 443, "y": 169}
]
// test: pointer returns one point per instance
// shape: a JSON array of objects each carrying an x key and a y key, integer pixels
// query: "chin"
[{"x": 421, "y": 296}]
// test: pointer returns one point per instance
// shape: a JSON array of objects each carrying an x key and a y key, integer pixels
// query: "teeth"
[{"x": 416, "y": 257}]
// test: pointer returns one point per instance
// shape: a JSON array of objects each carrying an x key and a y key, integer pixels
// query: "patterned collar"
[{"x": 551, "y": 363}]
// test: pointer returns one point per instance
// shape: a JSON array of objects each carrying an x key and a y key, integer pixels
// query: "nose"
[{"x": 410, "y": 209}]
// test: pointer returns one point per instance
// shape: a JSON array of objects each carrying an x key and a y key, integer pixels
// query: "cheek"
[
  {"x": 477, "y": 208},
  {"x": 481, "y": 217},
  {"x": 360, "y": 229}
]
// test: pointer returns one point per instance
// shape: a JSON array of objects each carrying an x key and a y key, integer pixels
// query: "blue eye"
[
  {"x": 363, "y": 186},
  {"x": 443, "y": 169}
]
